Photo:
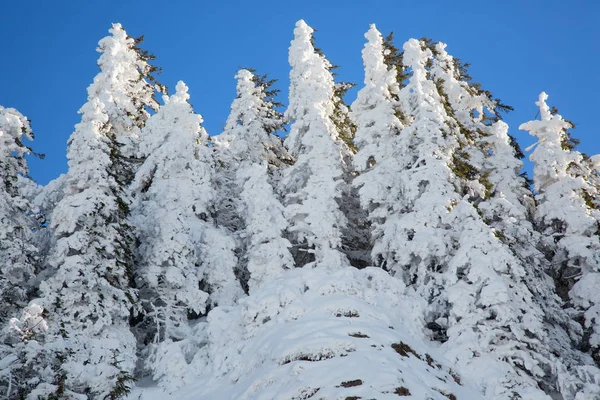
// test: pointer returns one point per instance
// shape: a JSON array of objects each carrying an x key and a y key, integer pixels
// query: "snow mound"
[{"x": 348, "y": 334}]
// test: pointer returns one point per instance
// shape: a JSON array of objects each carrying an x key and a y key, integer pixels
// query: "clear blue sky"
[{"x": 516, "y": 48}]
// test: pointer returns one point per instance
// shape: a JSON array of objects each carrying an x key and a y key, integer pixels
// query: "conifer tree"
[
  {"x": 171, "y": 212},
  {"x": 89, "y": 297},
  {"x": 157, "y": 230},
  {"x": 266, "y": 250},
  {"x": 17, "y": 253},
  {"x": 355, "y": 232},
  {"x": 313, "y": 184},
  {"x": 377, "y": 140},
  {"x": 250, "y": 135},
  {"x": 19, "y": 257},
  {"x": 569, "y": 219},
  {"x": 251, "y": 154}
]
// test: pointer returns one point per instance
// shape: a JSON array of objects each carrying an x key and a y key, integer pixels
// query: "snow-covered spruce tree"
[
  {"x": 89, "y": 297},
  {"x": 18, "y": 254},
  {"x": 250, "y": 155},
  {"x": 355, "y": 232},
  {"x": 250, "y": 135},
  {"x": 183, "y": 263},
  {"x": 314, "y": 183},
  {"x": 377, "y": 161},
  {"x": 507, "y": 206},
  {"x": 569, "y": 219}
]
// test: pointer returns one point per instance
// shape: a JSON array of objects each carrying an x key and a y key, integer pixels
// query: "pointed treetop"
[
  {"x": 245, "y": 83},
  {"x": 115, "y": 43},
  {"x": 244, "y": 75},
  {"x": 552, "y": 158},
  {"x": 373, "y": 35},
  {"x": 550, "y": 127},
  {"x": 117, "y": 30},
  {"x": 302, "y": 50},
  {"x": 373, "y": 110},
  {"x": 175, "y": 122},
  {"x": 302, "y": 29},
  {"x": 440, "y": 47},
  {"x": 415, "y": 58},
  {"x": 444, "y": 59},
  {"x": 245, "y": 107},
  {"x": 126, "y": 83},
  {"x": 373, "y": 56},
  {"x": 181, "y": 93},
  {"x": 301, "y": 45},
  {"x": 544, "y": 109},
  {"x": 310, "y": 77}
]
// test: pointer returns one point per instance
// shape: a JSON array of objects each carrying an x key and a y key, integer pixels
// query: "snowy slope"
[{"x": 350, "y": 334}]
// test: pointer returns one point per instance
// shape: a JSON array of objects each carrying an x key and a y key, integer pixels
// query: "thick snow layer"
[{"x": 320, "y": 335}]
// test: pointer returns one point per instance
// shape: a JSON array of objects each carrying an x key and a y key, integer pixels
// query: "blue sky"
[{"x": 516, "y": 48}]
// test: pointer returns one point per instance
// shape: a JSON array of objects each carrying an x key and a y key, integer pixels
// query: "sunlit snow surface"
[{"x": 322, "y": 335}]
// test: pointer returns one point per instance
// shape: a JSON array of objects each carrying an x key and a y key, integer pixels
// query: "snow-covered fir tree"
[
  {"x": 185, "y": 264},
  {"x": 267, "y": 252},
  {"x": 250, "y": 137},
  {"x": 251, "y": 155},
  {"x": 19, "y": 258},
  {"x": 89, "y": 297},
  {"x": 569, "y": 218},
  {"x": 314, "y": 183},
  {"x": 252, "y": 124},
  {"x": 377, "y": 161},
  {"x": 355, "y": 234}
]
